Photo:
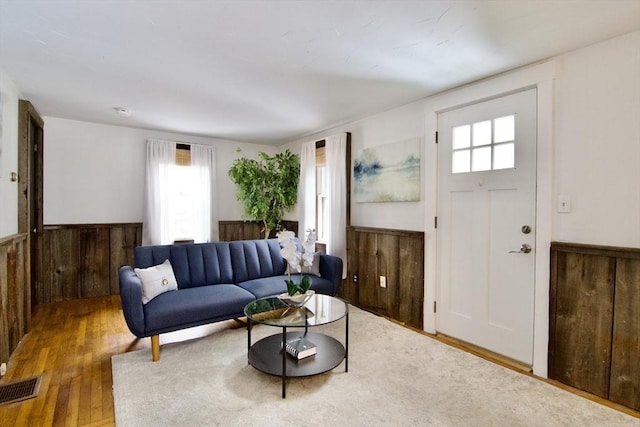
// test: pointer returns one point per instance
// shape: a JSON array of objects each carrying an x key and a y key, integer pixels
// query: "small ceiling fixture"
[{"x": 123, "y": 112}]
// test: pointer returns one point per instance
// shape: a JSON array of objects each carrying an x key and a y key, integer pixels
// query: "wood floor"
[{"x": 71, "y": 343}]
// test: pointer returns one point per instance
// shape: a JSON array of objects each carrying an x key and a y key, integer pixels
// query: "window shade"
[{"x": 183, "y": 157}]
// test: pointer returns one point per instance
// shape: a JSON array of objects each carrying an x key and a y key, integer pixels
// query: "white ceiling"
[{"x": 271, "y": 71}]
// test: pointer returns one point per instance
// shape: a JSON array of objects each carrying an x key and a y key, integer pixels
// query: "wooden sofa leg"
[{"x": 155, "y": 347}]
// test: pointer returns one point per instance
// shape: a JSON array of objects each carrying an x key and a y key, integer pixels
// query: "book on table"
[{"x": 300, "y": 348}]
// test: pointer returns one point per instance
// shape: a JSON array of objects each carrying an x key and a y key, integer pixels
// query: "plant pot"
[{"x": 297, "y": 300}]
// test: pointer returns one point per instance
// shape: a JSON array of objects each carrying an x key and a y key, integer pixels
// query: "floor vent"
[{"x": 19, "y": 390}]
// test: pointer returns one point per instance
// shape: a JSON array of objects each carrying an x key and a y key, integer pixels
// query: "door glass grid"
[{"x": 483, "y": 146}]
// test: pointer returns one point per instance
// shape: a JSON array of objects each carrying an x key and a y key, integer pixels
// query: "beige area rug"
[{"x": 396, "y": 377}]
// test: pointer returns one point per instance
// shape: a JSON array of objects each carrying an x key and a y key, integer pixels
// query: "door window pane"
[
  {"x": 482, "y": 133},
  {"x": 461, "y": 161},
  {"x": 504, "y": 129},
  {"x": 461, "y": 137},
  {"x": 504, "y": 156},
  {"x": 481, "y": 159}
]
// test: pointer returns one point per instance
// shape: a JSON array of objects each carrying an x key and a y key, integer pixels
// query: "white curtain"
[
  {"x": 176, "y": 201},
  {"x": 307, "y": 189},
  {"x": 205, "y": 215},
  {"x": 155, "y": 226},
  {"x": 336, "y": 164}
]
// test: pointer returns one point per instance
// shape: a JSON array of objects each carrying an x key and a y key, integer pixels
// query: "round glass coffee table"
[{"x": 267, "y": 354}]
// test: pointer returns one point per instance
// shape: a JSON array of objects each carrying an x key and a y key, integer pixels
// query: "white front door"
[{"x": 486, "y": 224}]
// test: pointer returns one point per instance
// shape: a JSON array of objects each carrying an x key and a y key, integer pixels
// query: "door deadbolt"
[{"x": 526, "y": 229}]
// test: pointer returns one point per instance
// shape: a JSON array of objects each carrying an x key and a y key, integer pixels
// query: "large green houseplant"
[{"x": 267, "y": 187}]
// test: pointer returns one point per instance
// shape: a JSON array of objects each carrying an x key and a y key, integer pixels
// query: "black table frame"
[{"x": 263, "y": 355}]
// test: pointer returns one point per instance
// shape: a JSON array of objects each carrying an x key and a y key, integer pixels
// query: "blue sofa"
[{"x": 215, "y": 282}]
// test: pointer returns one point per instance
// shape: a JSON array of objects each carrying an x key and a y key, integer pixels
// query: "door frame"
[
  {"x": 541, "y": 77},
  {"x": 30, "y": 192}
]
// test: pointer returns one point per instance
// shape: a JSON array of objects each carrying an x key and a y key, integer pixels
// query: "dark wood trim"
[
  {"x": 13, "y": 238},
  {"x": 602, "y": 250},
  {"x": 407, "y": 233},
  {"x": 348, "y": 175},
  {"x": 30, "y": 192},
  {"x": 27, "y": 117},
  {"x": 81, "y": 226}
]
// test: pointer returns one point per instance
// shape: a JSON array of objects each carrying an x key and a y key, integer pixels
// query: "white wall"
[
  {"x": 597, "y": 143},
  {"x": 9, "y": 98},
  {"x": 94, "y": 173},
  {"x": 397, "y": 125}
]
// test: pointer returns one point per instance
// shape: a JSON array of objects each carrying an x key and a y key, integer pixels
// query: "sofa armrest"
[
  {"x": 331, "y": 269},
  {"x": 131, "y": 297}
]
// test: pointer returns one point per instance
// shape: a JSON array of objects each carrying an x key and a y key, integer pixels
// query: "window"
[
  {"x": 179, "y": 193},
  {"x": 483, "y": 146},
  {"x": 181, "y": 201}
]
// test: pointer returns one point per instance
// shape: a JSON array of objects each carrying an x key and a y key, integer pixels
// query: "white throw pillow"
[{"x": 156, "y": 280}]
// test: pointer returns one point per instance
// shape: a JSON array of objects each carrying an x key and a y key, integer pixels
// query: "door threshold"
[{"x": 485, "y": 354}]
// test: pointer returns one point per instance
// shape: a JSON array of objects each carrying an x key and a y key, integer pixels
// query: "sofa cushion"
[
  {"x": 194, "y": 265},
  {"x": 253, "y": 259},
  {"x": 275, "y": 285},
  {"x": 265, "y": 286},
  {"x": 156, "y": 280},
  {"x": 194, "y": 306}
]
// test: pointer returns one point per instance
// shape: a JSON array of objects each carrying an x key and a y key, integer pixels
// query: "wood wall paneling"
[
  {"x": 82, "y": 260},
  {"x": 399, "y": 257},
  {"x": 122, "y": 242},
  {"x": 349, "y": 288},
  {"x": 248, "y": 230},
  {"x": 584, "y": 316},
  {"x": 366, "y": 253},
  {"x": 625, "y": 358},
  {"x": 388, "y": 257},
  {"x": 14, "y": 293},
  {"x": 61, "y": 262},
  {"x": 594, "y": 320},
  {"x": 77, "y": 261},
  {"x": 411, "y": 275},
  {"x": 95, "y": 262}
]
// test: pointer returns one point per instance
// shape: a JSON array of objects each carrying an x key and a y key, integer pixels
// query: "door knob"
[{"x": 524, "y": 249}]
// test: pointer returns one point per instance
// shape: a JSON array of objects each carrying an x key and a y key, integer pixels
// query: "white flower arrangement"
[{"x": 296, "y": 259}]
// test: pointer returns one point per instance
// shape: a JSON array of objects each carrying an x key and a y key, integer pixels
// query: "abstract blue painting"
[{"x": 388, "y": 173}]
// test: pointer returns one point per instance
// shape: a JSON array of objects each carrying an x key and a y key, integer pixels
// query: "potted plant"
[
  {"x": 267, "y": 187},
  {"x": 298, "y": 257}
]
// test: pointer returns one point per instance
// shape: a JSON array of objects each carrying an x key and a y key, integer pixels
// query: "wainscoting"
[
  {"x": 398, "y": 256},
  {"x": 82, "y": 261},
  {"x": 15, "y": 311},
  {"x": 594, "y": 320},
  {"x": 248, "y": 230}
]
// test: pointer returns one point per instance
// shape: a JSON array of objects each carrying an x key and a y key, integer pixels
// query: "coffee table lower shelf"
[{"x": 266, "y": 355}]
